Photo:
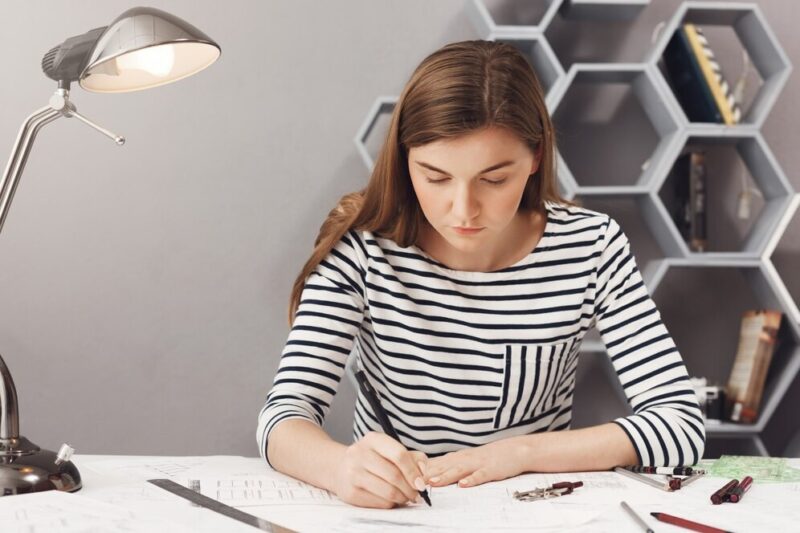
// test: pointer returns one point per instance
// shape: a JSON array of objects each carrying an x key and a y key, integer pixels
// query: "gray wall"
[{"x": 143, "y": 289}]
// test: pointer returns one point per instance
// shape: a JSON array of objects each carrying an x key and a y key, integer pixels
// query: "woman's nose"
[{"x": 465, "y": 205}]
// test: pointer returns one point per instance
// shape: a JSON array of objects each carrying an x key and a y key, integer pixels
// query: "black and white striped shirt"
[{"x": 465, "y": 358}]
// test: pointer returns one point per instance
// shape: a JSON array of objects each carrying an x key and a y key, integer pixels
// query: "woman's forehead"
[{"x": 487, "y": 144}]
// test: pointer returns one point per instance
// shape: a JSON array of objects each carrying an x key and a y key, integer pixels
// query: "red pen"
[
  {"x": 688, "y": 524},
  {"x": 738, "y": 492},
  {"x": 722, "y": 494}
]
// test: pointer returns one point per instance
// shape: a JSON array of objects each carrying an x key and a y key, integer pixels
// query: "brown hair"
[{"x": 460, "y": 88}]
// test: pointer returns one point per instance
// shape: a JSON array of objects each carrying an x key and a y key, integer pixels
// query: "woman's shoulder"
[
  {"x": 567, "y": 217},
  {"x": 378, "y": 249},
  {"x": 370, "y": 244},
  {"x": 363, "y": 244}
]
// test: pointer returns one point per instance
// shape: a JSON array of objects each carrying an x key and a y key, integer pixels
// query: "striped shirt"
[{"x": 464, "y": 358}]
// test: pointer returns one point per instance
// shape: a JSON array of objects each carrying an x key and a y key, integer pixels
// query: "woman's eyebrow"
[{"x": 484, "y": 171}]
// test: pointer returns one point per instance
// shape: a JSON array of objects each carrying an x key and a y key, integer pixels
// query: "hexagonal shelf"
[
  {"x": 602, "y": 9},
  {"x": 756, "y": 37},
  {"x": 373, "y": 131},
  {"x": 774, "y": 265},
  {"x": 541, "y": 57},
  {"x": 696, "y": 304},
  {"x": 766, "y": 173},
  {"x": 509, "y": 18},
  {"x": 779, "y": 442},
  {"x": 651, "y": 93}
]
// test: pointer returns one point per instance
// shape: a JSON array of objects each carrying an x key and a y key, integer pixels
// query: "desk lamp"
[{"x": 142, "y": 48}]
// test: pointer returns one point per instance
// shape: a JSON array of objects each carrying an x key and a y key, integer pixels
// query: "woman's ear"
[{"x": 537, "y": 158}]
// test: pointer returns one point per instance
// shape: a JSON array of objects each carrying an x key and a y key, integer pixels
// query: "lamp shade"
[{"x": 146, "y": 47}]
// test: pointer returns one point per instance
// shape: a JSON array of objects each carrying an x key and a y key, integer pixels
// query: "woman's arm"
[
  {"x": 578, "y": 450},
  {"x": 304, "y": 451},
  {"x": 666, "y": 427},
  {"x": 314, "y": 358},
  {"x": 377, "y": 471}
]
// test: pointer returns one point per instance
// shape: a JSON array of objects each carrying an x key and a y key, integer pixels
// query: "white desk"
[{"x": 116, "y": 488}]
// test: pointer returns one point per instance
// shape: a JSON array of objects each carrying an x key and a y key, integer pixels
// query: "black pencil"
[{"x": 386, "y": 425}]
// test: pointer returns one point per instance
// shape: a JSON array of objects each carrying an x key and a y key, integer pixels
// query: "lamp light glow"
[{"x": 156, "y": 60}]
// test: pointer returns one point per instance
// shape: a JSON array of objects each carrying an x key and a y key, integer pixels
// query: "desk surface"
[{"x": 116, "y": 497}]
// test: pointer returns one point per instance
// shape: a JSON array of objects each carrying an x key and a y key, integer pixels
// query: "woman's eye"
[
  {"x": 436, "y": 180},
  {"x": 495, "y": 181}
]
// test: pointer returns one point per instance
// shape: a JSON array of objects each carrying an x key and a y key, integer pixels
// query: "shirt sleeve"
[
  {"x": 320, "y": 341},
  {"x": 666, "y": 427}
]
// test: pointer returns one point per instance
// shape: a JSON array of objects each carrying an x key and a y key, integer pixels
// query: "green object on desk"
[{"x": 761, "y": 469}]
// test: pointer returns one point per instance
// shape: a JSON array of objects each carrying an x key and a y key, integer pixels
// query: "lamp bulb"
[{"x": 157, "y": 60}]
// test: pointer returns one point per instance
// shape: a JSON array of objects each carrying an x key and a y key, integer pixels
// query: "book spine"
[
  {"x": 766, "y": 347},
  {"x": 712, "y": 74},
  {"x": 757, "y": 343},
  {"x": 697, "y": 202},
  {"x": 687, "y": 80}
]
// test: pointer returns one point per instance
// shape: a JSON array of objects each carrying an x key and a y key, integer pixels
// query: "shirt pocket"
[{"x": 533, "y": 374}]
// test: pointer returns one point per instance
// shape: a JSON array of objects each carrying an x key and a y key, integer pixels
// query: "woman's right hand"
[{"x": 377, "y": 471}]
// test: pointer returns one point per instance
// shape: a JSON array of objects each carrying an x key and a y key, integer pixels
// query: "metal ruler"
[{"x": 217, "y": 506}]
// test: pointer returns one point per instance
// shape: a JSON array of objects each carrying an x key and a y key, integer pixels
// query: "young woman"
[{"x": 465, "y": 284}]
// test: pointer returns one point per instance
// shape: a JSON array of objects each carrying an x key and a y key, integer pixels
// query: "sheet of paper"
[
  {"x": 489, "y": 507},
  {"x": 131, "y": 468},
  {"x": 248, "y": 484},
  {"x": 45, "y": 512},
  {"x": 274, "y": 489},
  {"x": 594, "y": 507},
  {"x": 121, "y": 480}
]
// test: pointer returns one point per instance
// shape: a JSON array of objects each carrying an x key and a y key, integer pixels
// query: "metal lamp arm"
[
  {"x": 59, "y": 106},
  {"x": 19, "y": 156}
]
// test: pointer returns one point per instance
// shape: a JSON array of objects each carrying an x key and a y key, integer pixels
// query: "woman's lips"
[{"x": 466, "y": 231}]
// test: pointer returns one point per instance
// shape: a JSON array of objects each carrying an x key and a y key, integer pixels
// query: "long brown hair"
[{"x": 460, "y": 88}]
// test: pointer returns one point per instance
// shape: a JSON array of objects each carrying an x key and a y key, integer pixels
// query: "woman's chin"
[{"x": 466, "y": 243}]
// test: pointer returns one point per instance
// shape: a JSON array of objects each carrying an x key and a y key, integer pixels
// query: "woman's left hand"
[{"x": 474, "y": 466}]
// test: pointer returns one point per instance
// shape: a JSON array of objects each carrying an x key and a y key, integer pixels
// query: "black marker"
[{"x": 372, "y": 398}]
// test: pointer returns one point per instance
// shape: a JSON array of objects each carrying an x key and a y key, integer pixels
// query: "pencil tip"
[{"x": 425, "y": 497}]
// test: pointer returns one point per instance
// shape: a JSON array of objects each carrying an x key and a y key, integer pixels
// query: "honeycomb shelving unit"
[{"x": 751, "y": 262}]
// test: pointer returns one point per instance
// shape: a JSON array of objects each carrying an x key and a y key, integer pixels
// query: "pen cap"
[
  {"x": 737, "y": 492},
  {"x": 722, "y": 494}
]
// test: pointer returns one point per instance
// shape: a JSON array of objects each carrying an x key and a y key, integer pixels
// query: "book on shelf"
[
  {"x": 697, "y": 79},
  {"x": 757, "y": 340},
  {"x": 689, "y": 211}
]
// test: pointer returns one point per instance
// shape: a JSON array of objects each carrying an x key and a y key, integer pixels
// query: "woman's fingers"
[
  {"x": 388, "y": 471},
  {"x": 422, "y": 462},
  {"x": 478, "y": 477},
  {"x": 364, "y": 498},
  {"x": 404, "y": 461},
  {"x": 448, "y": 476},
  {"x": 377, "y": 485}
]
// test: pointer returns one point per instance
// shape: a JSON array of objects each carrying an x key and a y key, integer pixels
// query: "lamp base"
[{"x": 25, "y": 468}]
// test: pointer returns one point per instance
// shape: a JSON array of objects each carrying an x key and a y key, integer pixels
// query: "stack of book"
[
  {"x": 696, "y": 78},
  {"x": 757, "y": 341}
]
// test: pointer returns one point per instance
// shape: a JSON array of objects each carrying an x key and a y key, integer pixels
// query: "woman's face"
[{"x": 470, "y": 187}]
